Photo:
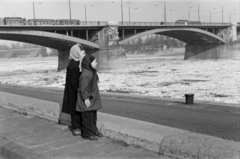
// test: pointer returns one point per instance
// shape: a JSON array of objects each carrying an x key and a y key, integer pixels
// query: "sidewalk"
[
  {"x": 26, "y": 136},
  {"x": 158, "y": 138}
]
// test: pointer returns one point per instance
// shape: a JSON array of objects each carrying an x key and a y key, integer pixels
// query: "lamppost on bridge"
[
  {"x": 69, "y": 2},
  {"x": 210, "y": 17},
  {"x": 189, "y": 13},
  {"x": 85, "y": 9},
  {"x": 129, "y": 13},
  {"x": 122, "y": 10},
  {"x": 222, "y": 14},
  {"x": 219, "y": 12},
  {"x": 198, "y": 13},
  {"x": 165, "y": 12},
  {"x": 34, "y": 10}
]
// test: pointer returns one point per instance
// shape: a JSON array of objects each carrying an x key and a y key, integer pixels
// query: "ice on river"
[{"x": 150, "y": 75}]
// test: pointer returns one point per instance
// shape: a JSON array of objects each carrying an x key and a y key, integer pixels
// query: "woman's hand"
[{"x": 87, "y": 103}]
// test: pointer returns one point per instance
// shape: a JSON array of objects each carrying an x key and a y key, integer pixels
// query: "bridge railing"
[
  {"x": 104, "y": 23},
  {"x": 169, "y": 24}
]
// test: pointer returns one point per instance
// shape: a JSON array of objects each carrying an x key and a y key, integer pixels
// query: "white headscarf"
[{"x": 77, "y": 54}]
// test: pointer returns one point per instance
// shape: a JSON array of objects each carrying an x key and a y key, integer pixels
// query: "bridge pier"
[
  {"x": 111, "y": 57},
  {"x": 62, "y": 59},
  {"x": 213, "y": 51}
]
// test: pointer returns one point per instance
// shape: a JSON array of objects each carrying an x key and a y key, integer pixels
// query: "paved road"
[{"x": 223, "y": 122}]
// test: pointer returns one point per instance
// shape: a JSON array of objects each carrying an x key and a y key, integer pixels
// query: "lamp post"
[
  {"x": 70, "y": 10},
  {"x": 165, "y": 12},
  {"x": 210, "y": 18},
  {"x": 198, "y": 14},
  {"x": 129, "y": 12},
  {"x": 85, "y": 9},
  {"x": 222, "y": 14},
  {"x": 122, "y": 11},
  {"x": 33, "y": 11},
  {"x": 189, "y": 13}
]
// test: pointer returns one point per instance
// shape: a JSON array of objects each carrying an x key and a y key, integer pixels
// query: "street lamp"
[
  {"x": 122, "y": 11},
  {"x": 129, "y": 12},
  {"x": 198, "y": 14},
  {"x": 222, "y": 14},
  {"x": 70, "y": 10},
  {"x": 165, "y": 12},
  {"x": 189, "y": 13},
  {"x": 34, "y": 10},
  {"x": 85, "y": 9},
  {"x": 210, "y": 18}
]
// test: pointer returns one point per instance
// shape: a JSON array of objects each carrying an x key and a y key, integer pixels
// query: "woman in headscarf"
[
  {"x": 74, "y": 70},
  {"x": 89, "y": 100}
]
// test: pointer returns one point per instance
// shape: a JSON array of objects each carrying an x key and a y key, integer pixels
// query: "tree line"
[
  {"x": 152, "y": 43},
  {"x": 21, "y": 49}
]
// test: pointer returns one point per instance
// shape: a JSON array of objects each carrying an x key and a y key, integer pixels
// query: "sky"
[{"x": 135, "y": 10}]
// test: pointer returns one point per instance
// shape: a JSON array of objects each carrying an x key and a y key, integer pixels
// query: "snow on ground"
[{"x": 153, "y": 75}]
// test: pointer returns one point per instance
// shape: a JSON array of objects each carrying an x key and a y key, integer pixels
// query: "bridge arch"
[
  {"x": 192, "y": 36},
  {"x": 43, "y": 38}
]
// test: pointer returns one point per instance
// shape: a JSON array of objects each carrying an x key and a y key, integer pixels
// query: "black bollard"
[{"x": 189, "y": 98}]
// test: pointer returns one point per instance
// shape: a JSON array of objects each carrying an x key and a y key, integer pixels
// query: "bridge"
[{"x": 109, "y": 37}]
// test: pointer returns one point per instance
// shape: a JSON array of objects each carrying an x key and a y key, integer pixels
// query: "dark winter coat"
[
  {"x": 88, "y": 87},
  {"x": 71, "y": 88}
]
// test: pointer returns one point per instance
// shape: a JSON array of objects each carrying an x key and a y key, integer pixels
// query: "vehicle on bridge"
[
  {"x": 67, "y": 22},
  {"x": 186, "y": 22},
  {"x": 13, "y": 21},
  {"x": 41, "y": 22},
  {"x": 23, "y": 21}
]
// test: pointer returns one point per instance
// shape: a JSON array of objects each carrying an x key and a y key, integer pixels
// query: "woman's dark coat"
[
  {"x": 87, "y": 86},
  {"x": 71, "y": 87}
]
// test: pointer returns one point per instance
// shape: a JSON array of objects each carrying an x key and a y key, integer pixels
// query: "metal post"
[
  {"x": 188, "y": 15},
  {"x": 129, "y": 10},
  {"x": 70, "y": 11},
  {"x": 165, "y": 9},
  {"x": 122, "y": 11},
  {"x": 33, "y": 12},
  {"x": 210, "y": 18},
  {"x": 222, "y": 14},
  {"x": 198, "y": 14},
  {"x": 85, "y": 13}
]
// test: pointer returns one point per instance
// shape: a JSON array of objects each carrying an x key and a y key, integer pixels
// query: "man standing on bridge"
[{"x": 73, "y": 73}]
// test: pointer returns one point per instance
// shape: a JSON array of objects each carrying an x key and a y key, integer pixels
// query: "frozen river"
[{"x": 152, "y": 75}]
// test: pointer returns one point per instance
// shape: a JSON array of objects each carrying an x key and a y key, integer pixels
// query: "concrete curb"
[{"x": 158, "y": 138}]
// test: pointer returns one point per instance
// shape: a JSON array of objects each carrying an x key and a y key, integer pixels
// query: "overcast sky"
[{"x": 110, "y": 10}]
